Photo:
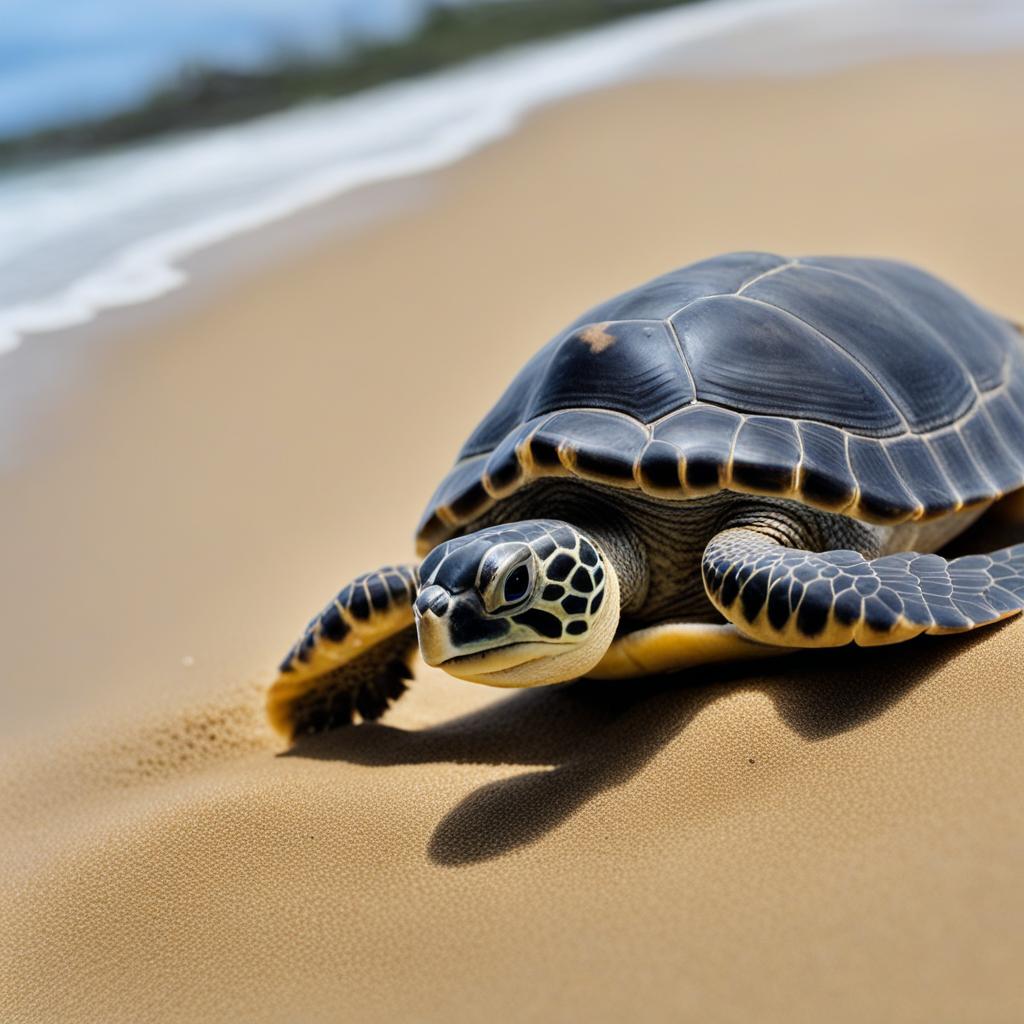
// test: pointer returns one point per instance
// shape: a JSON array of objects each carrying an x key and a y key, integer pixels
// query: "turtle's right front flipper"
[
  {"x": 781, "y": 595},
  {"x": 353, "y": 659}
]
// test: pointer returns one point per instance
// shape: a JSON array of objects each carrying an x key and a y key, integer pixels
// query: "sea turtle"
[{"x": 740, "y": 457}]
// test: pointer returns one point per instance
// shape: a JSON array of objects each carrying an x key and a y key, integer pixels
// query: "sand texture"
[{"x": 837, "y": 837}]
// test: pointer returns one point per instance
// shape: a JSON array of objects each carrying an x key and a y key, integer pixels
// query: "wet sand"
[{"x": 837, "y": 839}]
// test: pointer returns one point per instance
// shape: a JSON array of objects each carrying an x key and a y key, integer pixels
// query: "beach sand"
[{"x": 836, "y": 837}]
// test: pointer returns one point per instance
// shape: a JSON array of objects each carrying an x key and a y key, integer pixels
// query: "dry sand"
[{"x": 840, "y": 839}]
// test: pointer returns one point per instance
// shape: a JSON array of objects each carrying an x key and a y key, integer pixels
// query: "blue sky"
[{"x": 65, "y": 59}]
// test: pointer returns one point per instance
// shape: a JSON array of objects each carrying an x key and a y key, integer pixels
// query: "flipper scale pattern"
[
  {"x": 826, "y": 599},
  {"x": 352, "y": 659}
]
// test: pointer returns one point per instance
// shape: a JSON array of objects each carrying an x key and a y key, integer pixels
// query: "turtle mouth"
[{"x": 477, "y": 667}]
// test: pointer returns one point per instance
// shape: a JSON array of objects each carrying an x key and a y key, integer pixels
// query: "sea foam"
[{"x": 93, "y": 233}]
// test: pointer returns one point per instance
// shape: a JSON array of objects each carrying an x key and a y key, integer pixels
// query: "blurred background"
[
  {"x": 127, "y": 131},
  {"x": 116, "y": 80},
  {"x": 167, "y": 63}
]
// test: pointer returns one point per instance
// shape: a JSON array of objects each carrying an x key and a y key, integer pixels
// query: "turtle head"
[{"x": 521, "y": 604}]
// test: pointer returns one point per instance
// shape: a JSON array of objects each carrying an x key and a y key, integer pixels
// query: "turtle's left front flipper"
[
  {"x": 353, "y": 658},
  {"x": 781, "y": 595}
]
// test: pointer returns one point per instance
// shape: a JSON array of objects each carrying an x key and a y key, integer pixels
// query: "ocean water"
[
  {"x": 94, "y": 233},
  {"x": 63, "y": 60}
]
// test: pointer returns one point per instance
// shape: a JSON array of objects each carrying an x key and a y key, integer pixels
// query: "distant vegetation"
[{"x": 203, "y": 95}]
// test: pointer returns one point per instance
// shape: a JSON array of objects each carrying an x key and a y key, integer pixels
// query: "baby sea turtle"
[{"x": 741, "y": 457}]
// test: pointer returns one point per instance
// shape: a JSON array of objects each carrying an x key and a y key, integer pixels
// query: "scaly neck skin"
[{"x": 627, "y": 555}]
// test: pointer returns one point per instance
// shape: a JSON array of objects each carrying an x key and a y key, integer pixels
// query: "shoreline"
[
  {"x": 229, "y": 262},
  {"x": 731, "y": 39}
]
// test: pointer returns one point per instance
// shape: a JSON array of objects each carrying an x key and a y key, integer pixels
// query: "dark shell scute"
[
  {"x": 960, "y": 466},
  {"x": 908, "y": 360},
  {"x": 703, "y": 436},
  {"x": 882, "y": 494},
  {"x": 601, "y": 445},
  {"x": 766, "y": 454},
  {"x": 664, "y": 295},
  {"x": 947, "y": 311},
  {"x": 825, "y": 475},
  {"x": 659, "y": 467},
  {"x": 746, "y": 355},
  {"x": 503, "y": 469},
  {"x": 1008, "y": 427},
  {"x": 464, "y": 491},
  {"x": 632, "y": 367},
  {"x": 918, "y": 468},
  {"x": 544, "y": 444},
  {"x": 986, "y": 444}
]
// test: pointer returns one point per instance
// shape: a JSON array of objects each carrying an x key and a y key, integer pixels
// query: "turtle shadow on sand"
[{"x": 590, "y": 736}]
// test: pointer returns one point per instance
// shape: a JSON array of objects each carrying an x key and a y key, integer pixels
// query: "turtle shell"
[{"x": 861, "y": 386}]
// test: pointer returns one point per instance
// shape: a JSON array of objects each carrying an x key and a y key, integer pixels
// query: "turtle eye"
[
  {"x": 510, "y": 587},
  {"x": 516, "y": 585}
]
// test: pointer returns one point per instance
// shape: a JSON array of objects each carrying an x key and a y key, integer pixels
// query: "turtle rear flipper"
[
  {"x": 781, "y": 595},
  {"x": 353, "y": 658}
]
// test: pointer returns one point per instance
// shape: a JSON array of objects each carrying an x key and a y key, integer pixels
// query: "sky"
[{"x": 61, "y": 60}]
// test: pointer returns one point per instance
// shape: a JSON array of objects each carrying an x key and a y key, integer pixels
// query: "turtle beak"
[{"x": 431, "y": 612}]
